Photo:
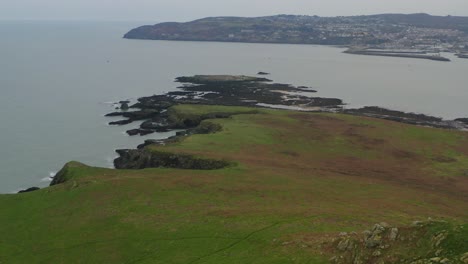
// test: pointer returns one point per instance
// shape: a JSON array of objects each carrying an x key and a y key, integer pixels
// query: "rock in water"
[{"x": 124, "y": 106}]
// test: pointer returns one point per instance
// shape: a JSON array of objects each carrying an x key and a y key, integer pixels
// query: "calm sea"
[{"x": 57, "y": 80}]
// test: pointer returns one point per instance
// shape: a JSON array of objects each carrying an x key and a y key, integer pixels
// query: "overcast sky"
[{"x": 184, "y": 10}]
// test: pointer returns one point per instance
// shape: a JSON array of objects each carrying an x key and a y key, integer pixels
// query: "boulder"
[
  {"x": 393, "y": 234},
  {"x": 124, "y": 106},
  {"x": 374, "y": 239}
]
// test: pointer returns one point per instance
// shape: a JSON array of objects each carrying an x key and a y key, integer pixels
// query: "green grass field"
[{"x": 298, "y": 180}]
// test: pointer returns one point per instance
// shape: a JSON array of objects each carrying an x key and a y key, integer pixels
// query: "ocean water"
[{"x": 58, "y": 80}]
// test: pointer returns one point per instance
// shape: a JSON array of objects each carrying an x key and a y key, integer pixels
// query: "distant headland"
[{"x": 421, "y": 32}]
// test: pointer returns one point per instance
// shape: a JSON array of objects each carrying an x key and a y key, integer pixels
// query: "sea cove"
[{"x": 56, "y": 92}]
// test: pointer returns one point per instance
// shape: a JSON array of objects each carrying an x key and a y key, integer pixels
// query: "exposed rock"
[
  {"x": 206, "y": 79},
  {"x": 462, "y": 120},
  {"x": 436, "y": 240},
  {"x": 393, "y": 234},
  {"x": 32, "y": 189},
  {"x": 114, "y": 114},
  {"x": 136, "y": 115},
  {"x": 141, "y": 132},
  {"x": 374, "y": 239},
  {"x": 157, "y": 123},
  {"x": 262, "y": 73},
  {"x": 141, "y": 159},
  {"x": 411, "y": 247},
  {"x": 417, "y": 223},
  {"x": 306, "y": 89},
  {"x": 343, "y": 245},
  {"x": 121, "y": 122},
  {"x": 124, "y": 106},
  {"x": 151, "y": 142},
  {"x": 464, "y": 258}
]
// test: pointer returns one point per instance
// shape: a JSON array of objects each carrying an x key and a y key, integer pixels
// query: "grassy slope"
[{"x": 300, "y": 179}]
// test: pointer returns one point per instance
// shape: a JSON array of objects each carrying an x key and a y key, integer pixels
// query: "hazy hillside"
[{"x": 374, "y": 29}]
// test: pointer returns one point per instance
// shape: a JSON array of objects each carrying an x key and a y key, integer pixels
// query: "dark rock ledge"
[
  {"x": 32, "y": 189},
  {"x": 142, "y": 158}
]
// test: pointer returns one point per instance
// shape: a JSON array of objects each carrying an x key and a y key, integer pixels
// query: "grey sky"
[{"x": 183, "y": 10}]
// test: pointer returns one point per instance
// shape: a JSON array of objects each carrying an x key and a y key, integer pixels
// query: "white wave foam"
[{"x": 50, "y": 177}]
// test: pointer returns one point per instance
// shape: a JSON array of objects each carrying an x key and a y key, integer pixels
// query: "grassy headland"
[{"x": 295, "y": 181}]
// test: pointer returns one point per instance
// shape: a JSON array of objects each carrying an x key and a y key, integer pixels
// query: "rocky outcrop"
[
  {"x": 462, "y": 120},
  {"x": 425, "y": 242},
  {"x": 141, "y": 159},
  {"x": 121, "y": 122},
  {"x": 141, "y": 132},
  {"x": 408, "y": 118},
  {"x": 136, "y": 115},
  {"x": 124, "y": 105}
]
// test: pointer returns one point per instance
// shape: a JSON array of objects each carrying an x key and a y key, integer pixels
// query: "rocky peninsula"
[
  {"x": 157, "y": 115},
  {"x": 230, "y": 90}
]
